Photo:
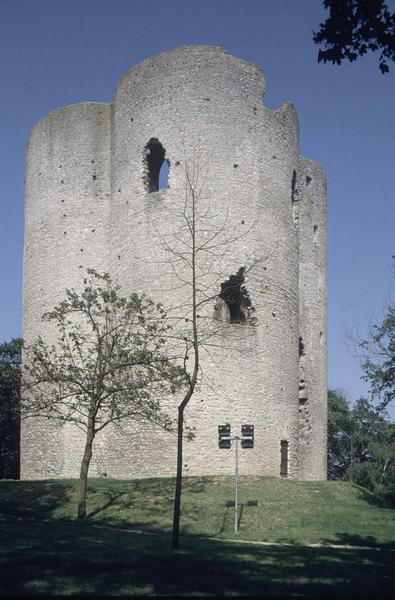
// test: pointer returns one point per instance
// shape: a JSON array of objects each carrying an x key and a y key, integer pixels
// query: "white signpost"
[{"x": 225, "y": 442}]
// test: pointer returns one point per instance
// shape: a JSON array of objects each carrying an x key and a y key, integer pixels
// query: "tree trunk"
[
  {"x": 84, "y": 473},
  {"x": 192, "y": 382},
  {"x": 177, "y": 497},
  {"x": 384, "y": 470}
]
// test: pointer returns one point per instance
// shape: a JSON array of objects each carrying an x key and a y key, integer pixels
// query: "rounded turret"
[{"x": 197, "y": 111}]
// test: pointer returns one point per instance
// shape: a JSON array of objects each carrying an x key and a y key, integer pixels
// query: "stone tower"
[{"x": 93, "y": 199}]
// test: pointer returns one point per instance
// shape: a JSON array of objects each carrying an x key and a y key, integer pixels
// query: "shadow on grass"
[
  {"x": 374, "y": 500},
  {"x": 76, "y": 559},
  {"x": 35, "y": 498},
  {"x": 151, "y": 498},
  {"x": 112, "y": 499},
  {"x": 349, "y": 539},
  {"x": 229, "y": 515}
]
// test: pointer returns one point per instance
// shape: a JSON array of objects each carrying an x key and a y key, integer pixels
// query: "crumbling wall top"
[{"x": 211, "y": 58}]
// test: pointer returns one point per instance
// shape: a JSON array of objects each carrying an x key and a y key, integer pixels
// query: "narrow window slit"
[
  {"x": 315, "y": 236},
  {"x": 294, "y": 190},
  {"x": 295, "y": 199},
  {"x": 156, "y": 163}
]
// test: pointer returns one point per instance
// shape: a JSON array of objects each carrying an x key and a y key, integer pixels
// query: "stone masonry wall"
[
  {"x": 67, "y": 199},
  {"x": 313, "y": 319},
  {"x": 205, "y": 108}
]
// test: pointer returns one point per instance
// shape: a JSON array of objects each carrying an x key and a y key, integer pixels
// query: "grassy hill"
[
  {"x": 44, "y": 550},
  {"x": 299, "y": 512}
]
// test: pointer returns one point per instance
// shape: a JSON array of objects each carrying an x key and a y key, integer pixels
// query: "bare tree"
[
  {"x": 112, "y": 361},
  {"x": 208, "y": 301},
  {"x": 375, "y": 351}
]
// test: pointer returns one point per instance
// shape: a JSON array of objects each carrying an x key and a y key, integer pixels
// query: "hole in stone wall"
[
  {"x": 164, "y": 175},
  {"x": 304, "y": 420},
  {"x": 237, "y": 298},
  {"x": 304, "y": 416},
  {"x": 302, "y": 378},
  {"x": 294, "y": 191},
  {"x": 308, "y": 180},
  {"x": 315, "y": 235},
  {"x": 284, "y": 450},
  {"x": 295, "y": 199},
  {"x": 154, "y": 159}
]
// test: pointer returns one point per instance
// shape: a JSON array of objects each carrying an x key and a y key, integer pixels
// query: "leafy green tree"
[
  {"x": 355, "y": 27},
  {"x": 340, "y": 427},
  {"x": 378, "y": 359},
  {"x": 112, "y": 361},
  {"x": 361, "y": 445},
  {"x": 372, "y": 462},
  {"x": 10, "y": 383}
]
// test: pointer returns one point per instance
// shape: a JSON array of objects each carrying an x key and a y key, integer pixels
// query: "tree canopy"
[
  {"x": 111, "y": 361},
  {"x": 378, "y": 359},
  {"x": 10, "y": 383},
  {"x": 361, "y": 445},
  {"x": 355, "y": 27}
]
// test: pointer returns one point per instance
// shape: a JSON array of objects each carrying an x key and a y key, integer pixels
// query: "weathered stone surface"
[{"x": 88, "y": 205}]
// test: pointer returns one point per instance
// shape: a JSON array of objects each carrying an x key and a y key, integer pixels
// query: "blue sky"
[{"x": 57, "y": 52}]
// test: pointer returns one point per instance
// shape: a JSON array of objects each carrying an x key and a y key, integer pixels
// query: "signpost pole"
[
  {"x": 236, "y": 482},
  {"x": 225, "y": 441}
]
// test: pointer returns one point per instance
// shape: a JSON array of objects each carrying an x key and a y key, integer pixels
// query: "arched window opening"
[
  {"x": 284, "y": 447},
  {"x": 237, "y": 298},
  {"x": 154, "y": 159}
]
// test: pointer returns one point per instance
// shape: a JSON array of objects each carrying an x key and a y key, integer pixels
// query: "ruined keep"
[{"x": 93, "y": 199}]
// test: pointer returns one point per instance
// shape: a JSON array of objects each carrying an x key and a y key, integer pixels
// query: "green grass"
[
  {"x": 69, "y": 558},
  {"x": 298, "y": 512},
  {"x": 44, "y": 550}
]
